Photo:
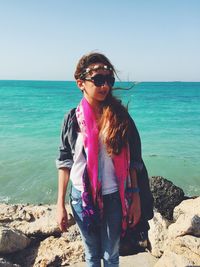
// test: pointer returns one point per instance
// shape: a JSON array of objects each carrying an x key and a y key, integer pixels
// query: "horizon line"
[{"x": 44, "y": 80}]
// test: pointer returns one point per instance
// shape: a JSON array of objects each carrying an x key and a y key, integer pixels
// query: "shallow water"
[{"x": 31, "y": 112}]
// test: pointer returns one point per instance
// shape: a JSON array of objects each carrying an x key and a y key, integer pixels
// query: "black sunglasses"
[{"x": 100, "y": 79}]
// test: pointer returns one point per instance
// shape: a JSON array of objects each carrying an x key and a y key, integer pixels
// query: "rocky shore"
[{"x": 29, "y": 235}]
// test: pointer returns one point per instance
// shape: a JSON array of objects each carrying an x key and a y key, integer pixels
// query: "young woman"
[{"x": 100, "y": 153}]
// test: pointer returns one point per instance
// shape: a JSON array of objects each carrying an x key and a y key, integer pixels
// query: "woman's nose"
[{"x": 106, "y": 85}]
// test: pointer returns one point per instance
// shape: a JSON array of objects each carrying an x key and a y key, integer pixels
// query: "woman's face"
[{"x": 96, "y": 84}]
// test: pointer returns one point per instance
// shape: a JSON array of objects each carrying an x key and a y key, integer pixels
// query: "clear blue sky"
[{"x": 152, "y": 40}]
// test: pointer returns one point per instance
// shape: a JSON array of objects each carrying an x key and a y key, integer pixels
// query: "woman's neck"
[{"x": 96, "y": 106}]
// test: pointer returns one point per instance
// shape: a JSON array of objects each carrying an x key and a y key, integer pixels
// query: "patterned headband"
[{"x": 95, "y": 67}]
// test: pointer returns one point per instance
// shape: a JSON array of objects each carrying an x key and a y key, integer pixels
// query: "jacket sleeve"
[
  {"x": 65, "y": 158},
  {"x": 137, "y": 163},
  {"x": 135, "y": 147}
]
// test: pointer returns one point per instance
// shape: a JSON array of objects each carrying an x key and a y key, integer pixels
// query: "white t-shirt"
[{"x": 106, "y": 168}]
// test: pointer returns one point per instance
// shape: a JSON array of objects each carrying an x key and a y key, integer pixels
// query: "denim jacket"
[{"x": 67, "y": 150}]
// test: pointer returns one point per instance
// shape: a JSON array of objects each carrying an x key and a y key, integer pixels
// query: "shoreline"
[{"x": 5, "y": 201}]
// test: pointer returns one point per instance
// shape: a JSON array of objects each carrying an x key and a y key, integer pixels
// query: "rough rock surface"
[
  {"x": 191, "y": 206},
  {"x": 33, "y": 221},
  {"x": 158, "y": 234},
  {"x": 171, "y": 259},
  {"x": 12, "y": 240},
  {"x": 56, "y": 251},
  {"x": 166, "y": 196},
  {"x": 181, "y": 244},
  {"x": 188, "y": 247},
  {"x": 175, "y": 243},
  {"x": 73, "y": 234},
  {"x": 186, "y": 224},
  {"x": 186, "y": 219}
]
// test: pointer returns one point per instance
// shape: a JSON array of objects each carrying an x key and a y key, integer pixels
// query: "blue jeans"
[{"x": 102, "y": 244}]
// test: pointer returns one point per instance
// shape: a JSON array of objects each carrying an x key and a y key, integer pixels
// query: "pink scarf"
[{"x": 88, "y": 127}]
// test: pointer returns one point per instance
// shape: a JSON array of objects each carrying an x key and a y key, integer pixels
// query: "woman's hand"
[
  {"x": 62, "y": 218},
  {"x": 63, "y": 178},
  {"x": 134, "y": 213}
]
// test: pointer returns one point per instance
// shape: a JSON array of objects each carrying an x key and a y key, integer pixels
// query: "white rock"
[
  {"x": 57, "y": 251},
  {"x": 43, "y": 222},
  {"x": 171, "y": 259},
  {"x": 7, "y": 212},
  {"x": 158, "y": 233},
  {"x": 191, "y": 242},
  {"x": 12, "y": 240},
  {"x": 189, "y": 206},
  {"x": 186, "y": 246},
  {"x": 183, "y": 236},
  {"x": 186, "y": 224}
]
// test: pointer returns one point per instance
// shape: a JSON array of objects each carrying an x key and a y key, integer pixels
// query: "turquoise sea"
[{"x": 31, "y": 112}]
